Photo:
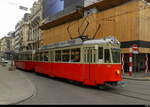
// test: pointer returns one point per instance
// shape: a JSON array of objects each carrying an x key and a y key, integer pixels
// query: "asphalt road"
[{"x": 57, "y": 92}]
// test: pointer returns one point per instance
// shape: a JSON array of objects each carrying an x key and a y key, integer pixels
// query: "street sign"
[{"x": 135, "y": 49}]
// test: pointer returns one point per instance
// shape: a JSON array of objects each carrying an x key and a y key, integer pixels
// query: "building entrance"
[{"x": 139, "y": 61}]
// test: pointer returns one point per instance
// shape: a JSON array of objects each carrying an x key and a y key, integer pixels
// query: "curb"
[
  {"x": 34, "y": 91},
  {"x": 30, "y": 94},
  {"x": 136, "y": 78}
]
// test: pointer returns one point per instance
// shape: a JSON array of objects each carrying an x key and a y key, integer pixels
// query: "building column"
[
  {"x": 130, "y": 62},
  {"x": 122, "y": 61},
  {"x": 146, "y": 63}
]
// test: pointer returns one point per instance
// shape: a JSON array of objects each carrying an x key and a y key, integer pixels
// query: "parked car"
[{"x": 4, "y": 60}]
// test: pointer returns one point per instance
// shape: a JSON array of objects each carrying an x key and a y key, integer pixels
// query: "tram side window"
[
  {"x": 41, "y": 57},
  {"x": 30, "y": 56},
  {"x": 100, "y": 54},
  {"x": 34, "y": 57},
  {"x": 58, "y": 56},
  {"x": 46, "y": 56},
  {"x": 107, "y": 56},
  {"x": 75, "y": 55},
  {"x": 20, "y": 57},
  {"x": 26, "y": 57},
  {"x": 38, "y": 57},
  {"x": 66, "y": 55},
  {"x": 116, "y": 55},
  {"x": 52, "y": 57}
]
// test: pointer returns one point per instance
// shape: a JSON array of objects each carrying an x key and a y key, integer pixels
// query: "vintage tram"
[{"x": 92, "y": 62}]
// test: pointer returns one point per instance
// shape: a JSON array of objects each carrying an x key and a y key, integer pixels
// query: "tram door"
[{"x": 90, "y": 61}]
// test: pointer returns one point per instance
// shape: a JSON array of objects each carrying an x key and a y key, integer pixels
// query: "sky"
[{"x": 10, "y": 14}]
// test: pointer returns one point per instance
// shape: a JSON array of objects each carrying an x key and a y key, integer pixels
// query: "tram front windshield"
[{"x": 116, "y": 55}]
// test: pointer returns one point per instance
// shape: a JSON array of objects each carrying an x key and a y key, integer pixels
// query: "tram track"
[
  {"x": 122, "y": 91},
  {"x": 137, "y": 92},
  {"x": 130, "y": 94},
  {"x": 119, "y": 92},
  {"x": 138, "y": 87},
  {"x": 137, "y": 83},
  {"x": 139, "y": 98},
  {"x": 127, "y": 93}
]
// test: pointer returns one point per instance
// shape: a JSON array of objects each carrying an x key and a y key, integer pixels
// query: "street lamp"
[
  {"x": 23, "y": 8},
  {"x": 20, "y": 6}
]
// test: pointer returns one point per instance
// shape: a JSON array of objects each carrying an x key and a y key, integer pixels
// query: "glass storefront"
[{"x": 139, "y": 62}]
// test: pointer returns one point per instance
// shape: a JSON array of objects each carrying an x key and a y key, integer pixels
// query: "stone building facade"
[{"x": 34, "y": 37}]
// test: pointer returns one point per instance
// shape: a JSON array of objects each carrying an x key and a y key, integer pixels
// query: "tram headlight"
[{"x": 118, "y": 72}]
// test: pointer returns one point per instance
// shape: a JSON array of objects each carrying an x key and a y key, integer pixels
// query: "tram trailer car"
[
  {"x": 92, "y": 62},
  {"x": 24, "y": 60}
]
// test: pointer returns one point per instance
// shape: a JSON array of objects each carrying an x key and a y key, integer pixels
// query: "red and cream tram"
[{"x": 92, "y": 62}]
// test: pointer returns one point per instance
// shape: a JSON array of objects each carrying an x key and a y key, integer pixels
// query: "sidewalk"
[
  {"x": 15, "y": 87},
  {"x": 141, "y": 76}
]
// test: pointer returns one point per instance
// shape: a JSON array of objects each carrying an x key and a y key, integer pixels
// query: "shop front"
[
  {"x": 141, "y": 63},
  {"x": 136, "y": 59}
]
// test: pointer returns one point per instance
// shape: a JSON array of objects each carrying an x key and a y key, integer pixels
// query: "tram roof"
[
  {"x": 107, "y": 40},
  {"x": 76, "y": 42}
]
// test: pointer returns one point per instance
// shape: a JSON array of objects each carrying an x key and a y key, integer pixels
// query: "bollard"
[
  {"x": 130, "y": 63},
  {"x": 12, "y": 67}
]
